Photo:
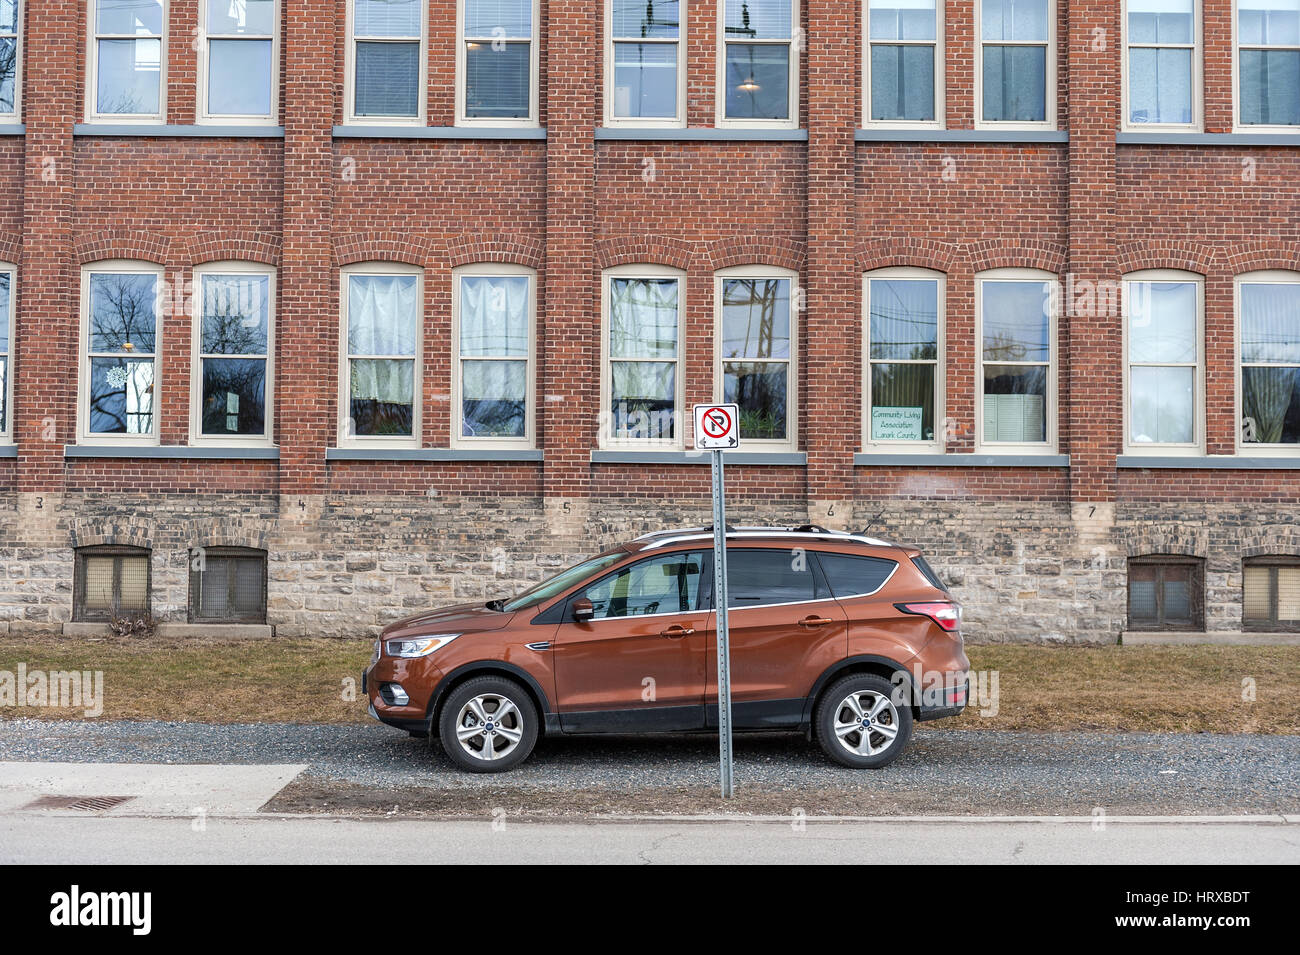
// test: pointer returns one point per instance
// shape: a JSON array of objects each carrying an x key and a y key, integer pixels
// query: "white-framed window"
[
  {"x": 11, "y": 59},
  {"x": 239, "y": 61},
  {"x": 903, "y": 347},
  {"x": 233, "y": 357},
  {"x": 1162, "y": 65},
  {"x": 1015, "y": 76},
  {"x": 494, "y": 347},
  {"x": 1016, "y": 376},
  {"x": 385, "y": 62},
  {"x": 121, "y": 326},
  {"x": 382, "y": 336},
  {"x": 645, "y": 63},
  {"x": 8, "y": 292},
  {"x": 642, "y": 310},
  {"x": 1164, "y": 362},
  {"x": 758, "y": 63},
  {"x": 903, "y": 67},
  {"x": 497, "y": 62},
  {"x": 1268, "y": 362},
  {"x": 756, "y": 348},
  {"x": 1266, "y": 63},
  {"x": 127, "y": 63}
]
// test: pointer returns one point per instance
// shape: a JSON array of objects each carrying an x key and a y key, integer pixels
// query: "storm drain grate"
[{"x": 79, "y": 803}]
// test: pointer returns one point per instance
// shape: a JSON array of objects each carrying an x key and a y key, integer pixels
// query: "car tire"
[
  {"x": 850, "y": 701},
  {"x": 473, "y": 706}
]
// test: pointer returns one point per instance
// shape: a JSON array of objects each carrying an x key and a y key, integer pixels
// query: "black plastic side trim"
[
  {"x": 845, "y": 664},
  {"x": 491, "y": 666},
  {"x": 646, "y": 719}
]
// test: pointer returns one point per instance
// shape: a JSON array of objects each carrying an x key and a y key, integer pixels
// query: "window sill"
[
  {"x": 785, "y": 458},
  {"x": 163, "y": 130},
  {"x": 961, "y": 136},
  {"x": 220, "y": 631},
  {"x": 173, "y": 451},
  {"x": 699, "y": 134},
  {"x": 1235, "y": 638},
  {"x": 1208, "y": 139},
  {"x": 963, "y": 460},
  {"x": 1230, "y": 461},
  {"x": 13, "y": 129},
  {"x": 439, "y": 132},
  {"x": 433, "y": 454},
  {"x": 8, "y": 450}
]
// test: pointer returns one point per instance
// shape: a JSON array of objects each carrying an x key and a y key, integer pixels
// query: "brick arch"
[
  {"x": 237, "y": 246},
  {"x": 1271, "y": 539},
  {"x": 226, "y": 532},
  {"x": 380, "y": 247},
  {"x": 11, "y": 247},
  {"x": 1167, "y": 254},
  {"x": 903, "y": 251},
  {"x": 469, "y": 248},
  {"x": 1147, "y": 541},
  {"x": 644, "y": 249},
  {"x": 1255, "y": 256},
  {"x": 90, "y": 533},
  {"x": 122, "y": 244},
  {"x": 755, "y": 250},
  {"x": 1016, "y": 254}
]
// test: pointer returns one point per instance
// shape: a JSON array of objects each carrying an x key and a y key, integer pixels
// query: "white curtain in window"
[
  {"x": 382, "y": 312},
  {"x": 493, "y": 315}
]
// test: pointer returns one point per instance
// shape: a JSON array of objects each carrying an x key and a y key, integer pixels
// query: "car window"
[
  {"x": 668, "y": 583},
  {"x": 852, "y": 576},
  {"x": 758, "y": 577},
  {"x": 563, "y": 581}
]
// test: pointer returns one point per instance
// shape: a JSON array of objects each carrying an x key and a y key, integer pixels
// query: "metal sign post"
[{"x": 717, "y": 427}]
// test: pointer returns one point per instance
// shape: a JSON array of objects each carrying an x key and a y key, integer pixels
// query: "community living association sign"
[{"x": 897, "y": 424}]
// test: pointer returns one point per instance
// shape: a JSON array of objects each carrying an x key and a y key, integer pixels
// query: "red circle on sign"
[{"x": 709, "y": 423}]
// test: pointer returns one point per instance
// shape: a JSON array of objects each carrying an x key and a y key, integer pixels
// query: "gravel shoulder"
[{"x": 376, "y": 770}]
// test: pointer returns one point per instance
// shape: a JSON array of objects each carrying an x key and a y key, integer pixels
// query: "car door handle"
[
  {"x": 676, "y": 632},
  {"x": 811, "y": 621}
]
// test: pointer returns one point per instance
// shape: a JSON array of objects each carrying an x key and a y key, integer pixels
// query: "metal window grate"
[
  {"x": 229, "y": 585},
  {"x": 1166, "y": 593},
  {"x": 111, "y": 580},
  {"x": 1271, "y": 594}
]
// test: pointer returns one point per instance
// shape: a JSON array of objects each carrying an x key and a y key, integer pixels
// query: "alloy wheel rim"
[
  {"x": 866, "y": 723},
  {"x": 489, "y": 727}
]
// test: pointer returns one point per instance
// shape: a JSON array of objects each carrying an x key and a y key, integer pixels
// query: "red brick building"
[{"x": 321, "y": 311}]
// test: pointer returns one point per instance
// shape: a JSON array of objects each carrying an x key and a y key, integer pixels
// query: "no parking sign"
[{"x": 717, "y": 427}]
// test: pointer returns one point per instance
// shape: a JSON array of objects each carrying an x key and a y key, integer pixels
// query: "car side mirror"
[{"x": 583, "y": 610}]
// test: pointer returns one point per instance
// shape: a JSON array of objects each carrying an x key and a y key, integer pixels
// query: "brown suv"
[{"x": 839, "y": 636}]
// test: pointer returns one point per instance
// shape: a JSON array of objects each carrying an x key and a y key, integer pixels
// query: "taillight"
[{"x": 946, "y": 615}]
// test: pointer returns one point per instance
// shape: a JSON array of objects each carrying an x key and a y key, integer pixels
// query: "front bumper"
[{"x": 417, "y": 678}]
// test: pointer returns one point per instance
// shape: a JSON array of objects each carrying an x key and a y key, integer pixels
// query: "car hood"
[{"x": 462, "y": 618}]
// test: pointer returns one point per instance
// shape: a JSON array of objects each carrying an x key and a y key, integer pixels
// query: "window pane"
[
  {"x": 493, "y": 399},
  {"x": 1270, "y": 405},
  {"x": 6, "y": 314},
  {"x": 383, "y": 397},
  {"x": 903, "y": 20},
  {"x": 760, "y": 390},
  {"x": 505, "y": 18},
  {"x": 1288, "y": 595},
  {"x": 902, "y": 83},
  {"x": 637, "y": 18},
  {"x": 1015, "y": 84},
  {"x": 215, "y": 587},
  {"x": 1016, "y": 322},
  {"x": 250, "y": 577},
  {"x": 755, "y": 318},
  {"x": 1162, "y": 322},
  {"x": 758, "y": 81},
  {"x": 1161, "y": 21},
  {"x": 8, "y": 66},
  {"x": 1160, "y": 86},
  {"x": 1257, "y": 601},
  {"x": 130, "y": 17},
  {"x": 97, "y": 585},
  {"x": 645, "y": 79},
  {"x": 234, "y": 396},
  {"x": 253, "y": 17},
  {"x": 497, "y": 77},
  {"x": 121, "y": 395},
  {"x": 757, "y": 20},
  {"x": 8, "y": 16},
  {"x": 851, "y": 576},
  {"x": 1270, "y": 322},
  {"x": 1162, "y": 405},
  {"x": 382, "y": 314},
  {"x": 239, "y": 77},
  {"x": 396, "y": 18},
  {"x": 904, "y": 318},
  {"x": 494, "y": 315},
  {"x": 1270, "y": 87},
  {"x": 643, "y": 318},
  {"x": 388, "y": 79},
  {"x": 128, "y": 76},
  {"x": 133, "y": 592},
  {"x": 236, "y": 314},
  {"x": 902, "y": 402},
  {"x": 1268, "y": 22},
  {"x": 667, "y": 584},
  {"x": 4, "y": 393},
  {"x": 1015, "y": 403},
  {"x": 1178, "y": 600},
  {"x": 122, "y": 312},
  {"x": 643, "y": 396},
  {"x": 1024, "y": 20},
  {"x": 758, "y": 577}
]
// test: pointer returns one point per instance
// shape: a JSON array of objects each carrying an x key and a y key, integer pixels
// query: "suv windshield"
[{"x": 562, "y": 581}]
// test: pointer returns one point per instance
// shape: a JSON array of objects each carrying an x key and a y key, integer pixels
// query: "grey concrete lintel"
[
  {"x": 963, "y": 460},
  {"x": 439, "y": 132},
  {"x": 1009, "y": 136},
  {"x": 1207, "y": 139},
  {"x": 434, "y": 454},
  {"x": 164, "y": 130},
  {"x": 701, "y": 134},
  {"x": 176, "y": 452},
  {"x": 787, "y": 458},
  {"x": 1196, "y": 462}
]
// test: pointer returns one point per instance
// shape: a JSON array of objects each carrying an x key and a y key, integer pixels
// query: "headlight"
[
  {"x": 419, "y": 646},
  {"x": 379, "y": 649}
]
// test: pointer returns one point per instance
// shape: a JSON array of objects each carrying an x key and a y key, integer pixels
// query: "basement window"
[
  {"x": 1166, "y": 593},
  {"x": 110, "y": 581},
  {"x": 1271, "y": 594},
  {"x": 228, "y": 585}
]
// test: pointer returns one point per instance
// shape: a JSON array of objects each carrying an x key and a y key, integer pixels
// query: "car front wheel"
[
  {"x": 488, "y": 725},
  {"x": 860, "y": 724}
]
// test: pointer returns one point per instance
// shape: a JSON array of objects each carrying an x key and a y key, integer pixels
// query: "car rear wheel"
[
  {"x": 488, "y": 725},
  {"x": 860, "y": 724}
]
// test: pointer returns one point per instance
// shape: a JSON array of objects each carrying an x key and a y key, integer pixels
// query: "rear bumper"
[{"x": 953, "y": 702}]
